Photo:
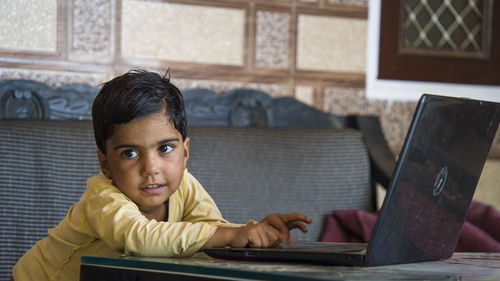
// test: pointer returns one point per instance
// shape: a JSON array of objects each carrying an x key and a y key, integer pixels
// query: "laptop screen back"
[{"x": 434, "y": 180}]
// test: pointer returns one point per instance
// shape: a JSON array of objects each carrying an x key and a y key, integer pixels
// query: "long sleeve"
[
  {"x": 106, "y": 222},
  {"x": 112, "y": 217}
]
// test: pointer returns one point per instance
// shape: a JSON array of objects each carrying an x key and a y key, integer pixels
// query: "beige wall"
[{"x": 313, "y": 50}]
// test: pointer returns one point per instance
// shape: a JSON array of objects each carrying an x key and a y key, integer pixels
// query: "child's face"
[{"x": 146, "y": 158}]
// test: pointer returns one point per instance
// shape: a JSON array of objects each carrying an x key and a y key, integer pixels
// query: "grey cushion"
[
  {"x": 251, "y": 172},
  {"x": 44, "y": 166}
]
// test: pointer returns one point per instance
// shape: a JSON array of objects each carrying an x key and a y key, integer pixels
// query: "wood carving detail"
[{"x": 26, "y": 99}]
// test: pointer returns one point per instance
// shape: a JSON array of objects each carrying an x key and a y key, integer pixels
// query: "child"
[{"x": 144, "y": 202}]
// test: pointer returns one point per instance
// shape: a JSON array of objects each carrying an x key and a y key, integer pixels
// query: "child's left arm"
[{"x": 286, "y": 222}]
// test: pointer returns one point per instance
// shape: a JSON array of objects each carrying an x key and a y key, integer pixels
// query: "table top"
[{"x": 461, "y": 266}]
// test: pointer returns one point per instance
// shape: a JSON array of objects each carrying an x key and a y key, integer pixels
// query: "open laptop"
[{"x": 428, "y": 198}]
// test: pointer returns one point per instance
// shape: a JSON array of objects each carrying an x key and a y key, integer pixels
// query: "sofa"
[{"x": 254, "y": 154}]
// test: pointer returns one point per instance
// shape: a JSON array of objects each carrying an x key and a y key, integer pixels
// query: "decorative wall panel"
[
  {"x": 91, "y": 32},
  {"x": 29, "y": 25},
  {"x": 272, "y": 40},
  {"x": 331, "y": 44},
  {"x": 180, "y": 32}
]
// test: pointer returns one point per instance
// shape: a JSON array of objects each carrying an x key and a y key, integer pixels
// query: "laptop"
[{"x": 427, "y": 200}]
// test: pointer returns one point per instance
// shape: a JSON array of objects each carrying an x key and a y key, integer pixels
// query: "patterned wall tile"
[
  {"x": 91, "y": 27},
  {"x": 52, "y": 78},
  {"x": 343, "y": 101},
  {"x": 342, "y": 48},
  {"x": 272, "y": 38},
  {"x": 394, "y": 117},
  {"x": 29, "y": 25},
  {"x": 396, "y": 121},
  {"x": 180, "y": 32}
]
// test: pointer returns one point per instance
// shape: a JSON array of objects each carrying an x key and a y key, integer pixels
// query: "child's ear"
[
  {"x": 103, "y": 163},
  {"x": 186, "y": 150}
]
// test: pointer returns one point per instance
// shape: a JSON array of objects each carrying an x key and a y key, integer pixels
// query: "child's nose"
[{"x": 150, "y": 165}]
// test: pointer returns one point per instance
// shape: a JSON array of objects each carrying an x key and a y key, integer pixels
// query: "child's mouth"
[{"x": 153, "y": 188}]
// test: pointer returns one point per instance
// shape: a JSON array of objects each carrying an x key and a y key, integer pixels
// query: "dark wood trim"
[
  {"x": 271, "y": 8},
  {"x": 250, "y": 37},
  {"x": 25, "y": 54},
  {"x": 211, "y": 3},
  {"x": 342, "y": 77},
  {"x": 396, "y": 65},
  {"x": 319, "y": 90},
  {"x": 51, "y": 65},
  {"x": 227, "y": 74},
  {"x": 292, "y": 48},
  {"x": 62, "y": 29},
  {"x": 313, "y": 8},
  {"x": 202, "y": 71},
  {"x": 338, "y": 11},
  {"x": 117, "y": 36},
  {"x": 344, "y": 84}
]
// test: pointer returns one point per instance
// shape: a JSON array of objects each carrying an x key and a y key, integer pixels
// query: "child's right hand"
[
  {"x": 255, "y": 235},
  {"x": 259, "y": 235},
  {"x": 269, "y": 232}
]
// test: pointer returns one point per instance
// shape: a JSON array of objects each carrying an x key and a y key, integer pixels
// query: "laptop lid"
[
  {"x": 434, "y": 180},
  {"x": 430, "y": 192}
]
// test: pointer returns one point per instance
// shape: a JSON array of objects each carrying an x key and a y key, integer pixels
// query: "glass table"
[{"x": 461, "y": 266}]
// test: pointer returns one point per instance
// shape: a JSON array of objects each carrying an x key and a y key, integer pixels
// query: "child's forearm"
[
  {"x": 255, "y": 235},
  {"x": 222, "y": 237}
]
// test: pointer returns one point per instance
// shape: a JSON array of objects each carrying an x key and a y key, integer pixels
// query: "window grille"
[{"x": 446, "y": 27}]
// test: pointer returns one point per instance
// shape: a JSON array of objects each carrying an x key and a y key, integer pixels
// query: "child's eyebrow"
[
  {"x": 168, "y": 140},
  {"x": 136, "y": 146}
]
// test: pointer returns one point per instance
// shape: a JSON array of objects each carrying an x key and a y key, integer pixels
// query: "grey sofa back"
[
  {"x": 251, "y": 172},
  {"x": 44, "y": 165},
  {"x": 248, "y": 171}
]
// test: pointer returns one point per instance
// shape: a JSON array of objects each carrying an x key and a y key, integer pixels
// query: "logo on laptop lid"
[{"x": 440, "y": 181}]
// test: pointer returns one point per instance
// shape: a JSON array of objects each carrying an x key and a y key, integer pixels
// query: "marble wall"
[
  {"x": 314, "y": 50},
  {"x": 311, "y": 49}
]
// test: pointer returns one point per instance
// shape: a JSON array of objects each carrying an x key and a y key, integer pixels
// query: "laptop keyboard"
[{"x": 325, "y": 247}]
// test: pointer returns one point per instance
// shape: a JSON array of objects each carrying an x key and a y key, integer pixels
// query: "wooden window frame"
[{"x": 400, "y": 66}]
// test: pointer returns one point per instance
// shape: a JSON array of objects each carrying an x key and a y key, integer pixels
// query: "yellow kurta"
[{"x": 106, "y": 222}]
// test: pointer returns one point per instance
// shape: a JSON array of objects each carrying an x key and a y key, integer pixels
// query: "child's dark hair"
[{"x": 137, "y": 93}]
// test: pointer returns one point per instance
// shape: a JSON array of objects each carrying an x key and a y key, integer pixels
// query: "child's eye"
[
  {"x": 165, "y": 148},
  {"x": 129, "y": 153}
]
